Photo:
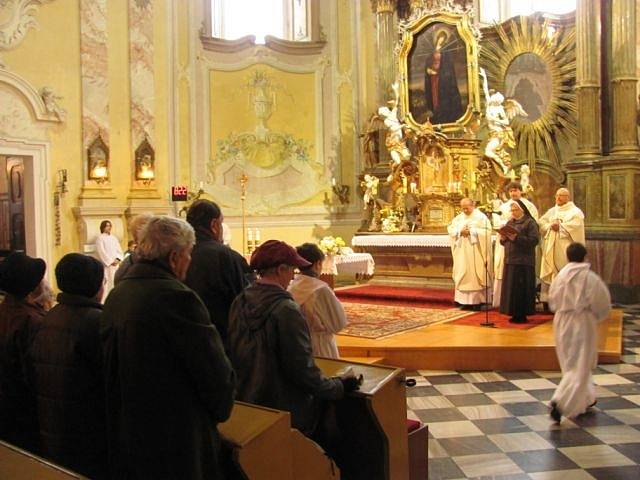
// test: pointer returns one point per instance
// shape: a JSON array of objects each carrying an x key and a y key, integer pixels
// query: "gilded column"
[
  {"x": 589, "y": 142},
  {"x": 384, "y": 10},
  {"x": 623, "y": 76}
]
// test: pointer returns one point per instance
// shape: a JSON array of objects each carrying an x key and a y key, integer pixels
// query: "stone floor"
[{"x": 497, "y": 424}]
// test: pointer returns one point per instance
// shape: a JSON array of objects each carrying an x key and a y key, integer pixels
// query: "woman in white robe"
[
  {"x": 580, "y": 300},
  {"x": 320, "y": 306}
]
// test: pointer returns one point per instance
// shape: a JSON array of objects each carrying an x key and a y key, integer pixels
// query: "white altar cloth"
[
  {"x": 394, "y": 240},
  {"x": 354, "y": 263}
]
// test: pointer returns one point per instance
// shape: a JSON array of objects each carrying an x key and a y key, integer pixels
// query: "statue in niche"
[
  {"x": 98, "y": 160},
  {"x": 436, "y": 173},
  {"x": 499, "y": 113},
  {"x": 145, "y": 162}
]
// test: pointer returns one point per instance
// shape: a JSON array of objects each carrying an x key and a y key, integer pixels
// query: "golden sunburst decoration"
[{"x": 554, "y": 47}]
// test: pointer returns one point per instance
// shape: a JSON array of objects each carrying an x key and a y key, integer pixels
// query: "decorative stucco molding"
[
  {"x": 279, "y": 45},
  {"x": 20, "y": 19},
  {"x": 36, "y": 102}
]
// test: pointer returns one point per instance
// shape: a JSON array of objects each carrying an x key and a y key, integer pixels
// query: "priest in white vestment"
[
  {"x": 470, "y": 234},
  {"x": 515, "y": 193},
  {"x": 109, "y": 252},
  {"x": 561, "y": 226},
  {"x": 321, "y": 308},
  {"x": 580, "y": 300}
]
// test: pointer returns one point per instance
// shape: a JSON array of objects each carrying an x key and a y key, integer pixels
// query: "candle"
[
  {"x": 200, "y": 185},
  {"x": 250, "y": 234},
  {"x": 257, "y": 234},
  {"x": 413, "y": 187},
  {"x": 333, "y": 181}
]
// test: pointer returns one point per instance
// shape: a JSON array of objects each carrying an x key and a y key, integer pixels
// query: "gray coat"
[{"x": 270, "y": 348}]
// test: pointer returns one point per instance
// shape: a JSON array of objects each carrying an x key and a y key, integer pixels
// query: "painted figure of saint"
[{"x": 441, "y": 87}]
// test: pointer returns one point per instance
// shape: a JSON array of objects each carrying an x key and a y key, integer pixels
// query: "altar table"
[{"x": 408, "y": 258}]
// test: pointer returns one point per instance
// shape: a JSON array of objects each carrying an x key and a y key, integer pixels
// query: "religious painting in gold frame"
[
  {"x": 438, "y": 62},
  {"x": 533, "y": 60}
]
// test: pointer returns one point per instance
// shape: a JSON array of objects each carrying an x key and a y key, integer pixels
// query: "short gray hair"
[
  {"x": 137, "y": 224},
  {"x": 163, "y": 235}
]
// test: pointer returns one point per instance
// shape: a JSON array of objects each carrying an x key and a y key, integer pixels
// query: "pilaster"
[{"x": 385, "y": 38}]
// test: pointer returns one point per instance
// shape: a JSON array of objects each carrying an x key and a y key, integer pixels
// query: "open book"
[{"x": 507, "y": 230}]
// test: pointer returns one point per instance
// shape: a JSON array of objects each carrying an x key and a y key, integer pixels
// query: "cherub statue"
[
  {"x": 495, "y": 202},
  {"x": 370, "y": 185},
  {"x": 525, "y": 171},
  {"x": 395, "y": 141},
  {"x": 50, "y": 100},
  {"x": 499, "y": 112}
]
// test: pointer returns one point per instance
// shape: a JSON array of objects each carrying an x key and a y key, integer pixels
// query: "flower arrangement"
[{"x": 331, "y": 245}]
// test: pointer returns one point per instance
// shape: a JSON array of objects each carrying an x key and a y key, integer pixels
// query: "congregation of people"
[
  {"x": 568, "y": 287},
  {"x": 135, "y": 386}
]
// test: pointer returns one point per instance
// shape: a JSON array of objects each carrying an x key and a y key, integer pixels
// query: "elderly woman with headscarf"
[
  {"x": 168, "y": 380},
  {"x": 21, "y": 278},
  {"x": 519, "y": 238}
]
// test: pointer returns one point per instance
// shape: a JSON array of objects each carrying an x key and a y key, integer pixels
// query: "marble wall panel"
[
  {"x": 94, "y": 68},
  {"x": 141, "y": 49}
]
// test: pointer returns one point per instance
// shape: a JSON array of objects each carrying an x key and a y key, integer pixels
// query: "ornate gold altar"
[{"x": 431, "y": 126}]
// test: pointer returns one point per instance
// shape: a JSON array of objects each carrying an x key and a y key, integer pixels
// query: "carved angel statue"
[
  {"x": 395, "y": 141},
  {"x": 370, "y": 185},
  {"x": 499, "y": 113},
  {"x": 525, "y": 172}
]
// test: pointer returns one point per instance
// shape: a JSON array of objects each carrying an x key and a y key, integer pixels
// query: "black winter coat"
[
  {"x": 217, "y": 274},
  {"x": 169, "y": 381},
  {"x": 270, "y": 348},
  {"x": 66, "y": 370},
  {"x": 19, "y": 322}
]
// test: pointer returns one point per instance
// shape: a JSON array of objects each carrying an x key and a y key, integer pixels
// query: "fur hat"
[
  {"x": 79, "y": 275},
  {"x": 20, "y": 274}
]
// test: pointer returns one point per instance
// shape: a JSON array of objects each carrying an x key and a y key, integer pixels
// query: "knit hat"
[
  {"x": 20, "y": 274},
  {"x": 79, "y": 275},
  {"x": 273, "y": 253}
]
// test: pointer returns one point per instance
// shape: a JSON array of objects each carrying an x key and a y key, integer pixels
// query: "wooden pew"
[
  {"x": 264, "y": 446},
  {"x": 372, "y": 422},
  {"x": 16, "y": 464}
]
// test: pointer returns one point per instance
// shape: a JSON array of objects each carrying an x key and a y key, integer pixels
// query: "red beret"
[{"x": 273, "y": 253}]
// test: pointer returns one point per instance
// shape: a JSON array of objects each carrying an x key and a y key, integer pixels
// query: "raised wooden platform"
[{"x": 459, "y": 347}]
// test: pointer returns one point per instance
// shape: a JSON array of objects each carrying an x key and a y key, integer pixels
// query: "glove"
[{"x": 351, "y": 384}]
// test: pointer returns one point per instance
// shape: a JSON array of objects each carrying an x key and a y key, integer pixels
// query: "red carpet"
[
  {"x": 429, "y": 298},
  {"x": 389, "y": 295},
  {"x": 502, "y": 321}
]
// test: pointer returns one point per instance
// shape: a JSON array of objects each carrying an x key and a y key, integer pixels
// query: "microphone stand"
[{"x": 489, "y": 251}]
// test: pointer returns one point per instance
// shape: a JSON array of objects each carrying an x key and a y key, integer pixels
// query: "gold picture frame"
[
  {"x": 533, "y": 60},
  {"x": 438, "y": 66}
]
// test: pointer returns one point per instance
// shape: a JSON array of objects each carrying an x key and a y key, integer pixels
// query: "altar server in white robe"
[
  {"x": 109, "y": 252},
  {"x": 561, "y": 226},
  {"x": 470, "y": 233},
  {"x": 515, "y": 193},
  {"x": 580, "y": 300},
  {"x": 321, "y": 308}
]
